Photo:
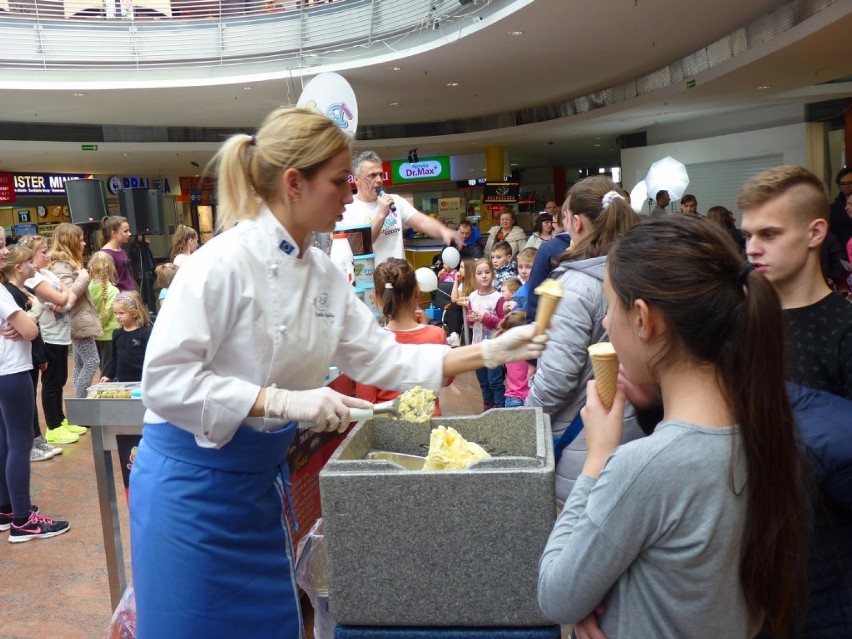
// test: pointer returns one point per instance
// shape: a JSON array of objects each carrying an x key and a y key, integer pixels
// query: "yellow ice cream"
[
  {"x": 549, "y": 293},
  {"x": 549, "y": 287},
  {"x": 450, "y": 451},
  {"x": 416, "y": 405}
]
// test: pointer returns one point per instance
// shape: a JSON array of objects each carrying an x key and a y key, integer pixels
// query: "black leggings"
[
  {"x": 16, "y": 441},
  {"x": 36, "y": 428},
  {"x": 53, "y": 381}
]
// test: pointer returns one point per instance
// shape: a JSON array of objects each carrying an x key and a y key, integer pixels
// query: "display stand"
[{"x": 108, "y": 418}]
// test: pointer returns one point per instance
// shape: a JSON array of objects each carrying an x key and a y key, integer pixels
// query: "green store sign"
[{"x": 423, "y": 171}]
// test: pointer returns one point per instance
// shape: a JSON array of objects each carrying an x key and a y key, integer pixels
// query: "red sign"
[{"x": 7, "y": 188}]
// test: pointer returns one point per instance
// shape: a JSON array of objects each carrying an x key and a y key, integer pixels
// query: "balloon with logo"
[{"x": 331, "y": 95}]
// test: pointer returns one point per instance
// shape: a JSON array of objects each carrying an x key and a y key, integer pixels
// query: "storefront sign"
[
  {"x": 7, "y": 188},
  {"x": 43, "y": 183},
  {"x": 427, "y": 169},
  {"x": 117, "y": 183},
  {"x": 501, "y": 193},
  {"x": 25, "y": 229},
  {"x": 449, "y": 205}
]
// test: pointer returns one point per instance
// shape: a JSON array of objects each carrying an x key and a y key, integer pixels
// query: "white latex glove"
[
  {"x": 326, "y": 409},
  {"x": 516, "y": 344}
]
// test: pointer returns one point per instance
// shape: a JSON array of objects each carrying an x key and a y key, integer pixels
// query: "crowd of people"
[{"x": 711, "y": 499}]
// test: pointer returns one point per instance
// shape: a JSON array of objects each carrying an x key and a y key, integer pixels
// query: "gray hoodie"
[{"x": 559, "y": 385}]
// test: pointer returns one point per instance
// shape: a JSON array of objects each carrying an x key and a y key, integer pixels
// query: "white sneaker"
[
  {"x": 41, "y": 443},
  {"x": 37, "y": 455},
  {"x": 454, "y": 340}
]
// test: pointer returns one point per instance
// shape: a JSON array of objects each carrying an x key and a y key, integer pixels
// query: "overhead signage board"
[
  {"x": 44, "y": 183},
  {"x": 428, "y": 169},
  {"x": 501, "y": 193},
  {"x": 7, "y": 188}
]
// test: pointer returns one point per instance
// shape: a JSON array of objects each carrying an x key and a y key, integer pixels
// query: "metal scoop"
[
  {"x": 408, "y": 462},
  {"x": 363, "y": 414}
]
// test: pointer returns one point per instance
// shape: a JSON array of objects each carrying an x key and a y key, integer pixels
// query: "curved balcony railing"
[{"x": 173, "y": 34}]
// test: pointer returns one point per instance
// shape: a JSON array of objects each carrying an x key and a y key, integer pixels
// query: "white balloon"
[
  {"x": 451, "y": 257},
  {"x": 426, "y": 279},
  {"x": 332, "y": 95}
]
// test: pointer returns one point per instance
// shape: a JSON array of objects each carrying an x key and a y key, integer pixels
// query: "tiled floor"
[{"x": 57, "y": 587}]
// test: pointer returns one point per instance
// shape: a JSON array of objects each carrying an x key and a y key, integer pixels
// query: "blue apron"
[{"x": 211, "y": 549}]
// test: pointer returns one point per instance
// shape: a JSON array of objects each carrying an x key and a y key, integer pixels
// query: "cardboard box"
[{"x": 440, "y": 548}]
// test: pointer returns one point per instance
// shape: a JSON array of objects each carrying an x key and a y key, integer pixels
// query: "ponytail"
[
  {"x": 606, "y": 208},
  {"x": 752, "y": 369},
  {"x": 396, "y": 286}
]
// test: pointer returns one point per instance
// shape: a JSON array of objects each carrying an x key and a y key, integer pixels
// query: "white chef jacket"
[
  {"x": 389, "y": 243},
  {"x": 245, "y": 313}
]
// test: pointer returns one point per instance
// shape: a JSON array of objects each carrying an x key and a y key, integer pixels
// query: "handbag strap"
[{"x": 567, "y": 436}]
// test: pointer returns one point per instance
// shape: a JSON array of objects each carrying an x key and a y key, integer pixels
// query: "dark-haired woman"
[
  {"x": 598, "y": 214},
  {"x": 398, "y": 295},
  {"x": 542, "y": 231},
  {"x": 700, "y": 529},
  {"x": 115, "y": 233}
]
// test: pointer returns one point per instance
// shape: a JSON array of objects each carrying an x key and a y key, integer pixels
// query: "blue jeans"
[
  {"x": 514, "y": 402},
  {"x": 492, "y": 386}
]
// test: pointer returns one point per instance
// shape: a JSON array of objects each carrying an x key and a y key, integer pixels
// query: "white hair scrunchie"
[{"x": 609, "y": 197}]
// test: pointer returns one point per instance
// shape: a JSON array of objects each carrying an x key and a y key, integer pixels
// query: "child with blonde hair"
[
  {"x": 130, "y": 339},
  {"x": 66, "y": 262},
  {"x": 164, "y": 274},
  {"x": 102, "y": 289},
  {"x": 484, "y": 312}
]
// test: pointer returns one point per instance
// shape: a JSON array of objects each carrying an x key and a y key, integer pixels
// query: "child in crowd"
[
  {"x": 17, "y": 402},
  {"x": 397, "y": 294},
  {"x": 18, "y": 269},
  {"x": 517, "y": 373},
  {"x": 525, "y": 262},
  {"x": 702, "y": 500},
  {"x": 501, "y": 260},
  {"x": 55, "y": 328},
  {"x": 102, "y": 290},
  {"x": 164, "y": 274},
  {"x": 184, "y": 244},
  {"x": 129, "y": 340},
  {"x": 484, "y": 312},
  {"x": 66, "y": 261},
  {"x": 463, "y": 286},
  {"x": 510, "y": 288}
]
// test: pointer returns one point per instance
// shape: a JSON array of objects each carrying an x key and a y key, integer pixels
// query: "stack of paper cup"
[
  {"x": 549, "y": 293},
  {"x": 605, "y": 367}
]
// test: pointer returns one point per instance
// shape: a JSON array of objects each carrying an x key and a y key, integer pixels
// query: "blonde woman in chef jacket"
[{"x": 233, "y": 369}]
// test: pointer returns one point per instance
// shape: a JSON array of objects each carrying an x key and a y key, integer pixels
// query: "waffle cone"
[
  {"x": 546, "y": 306},
  {"x": 605, "y": 367}
]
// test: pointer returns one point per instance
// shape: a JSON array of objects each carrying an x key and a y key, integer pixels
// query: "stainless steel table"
[{"x": 108, "y": 418}]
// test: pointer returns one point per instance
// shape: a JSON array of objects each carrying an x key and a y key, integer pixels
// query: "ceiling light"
[
  {"x": 452, "y": 84},
  {"x": 248, "y": 88},
  {"x": 395, "y": 68},
  {"x": 78, "y": 95},
  {"x": 124, "y": 154},
  {"x": 763, "y": 87},
  {"x": 514, "y": 34},
  {"x": 393, "y": 104},
  {"x": 597, "y": 145}
]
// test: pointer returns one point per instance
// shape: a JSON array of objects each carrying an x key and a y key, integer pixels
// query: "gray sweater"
[{"x": 656, "y": 540}]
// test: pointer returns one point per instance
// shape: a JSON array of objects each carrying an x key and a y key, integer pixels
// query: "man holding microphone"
[{"x": 387, "y": 214}]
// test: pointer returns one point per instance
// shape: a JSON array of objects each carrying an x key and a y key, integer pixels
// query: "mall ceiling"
[{"x": 567, "y": 49}]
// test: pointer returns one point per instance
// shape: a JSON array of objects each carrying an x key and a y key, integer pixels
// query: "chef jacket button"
[
  {"x": 282, "y": 328},
  {"x": 273, "y": 268}
]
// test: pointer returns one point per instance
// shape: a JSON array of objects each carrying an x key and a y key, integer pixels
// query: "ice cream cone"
[
  {"x": 605, "y": 367},
  {"x": 549, "y": 293}
]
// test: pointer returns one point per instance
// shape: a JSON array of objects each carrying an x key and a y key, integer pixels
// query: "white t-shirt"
[
  {"x": 55, "y": 327},
  {"x": 389, "y": 243},
  {"x": 15, "y": 355}
]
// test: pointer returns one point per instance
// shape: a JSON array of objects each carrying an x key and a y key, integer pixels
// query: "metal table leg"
[{"x": 110, "y": 523}]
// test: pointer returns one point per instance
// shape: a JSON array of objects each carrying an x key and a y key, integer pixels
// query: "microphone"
[{"x": 380, "y": 191}]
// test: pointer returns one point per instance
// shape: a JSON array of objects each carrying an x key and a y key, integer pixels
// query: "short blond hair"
[{"x": 808, "y": 190}]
